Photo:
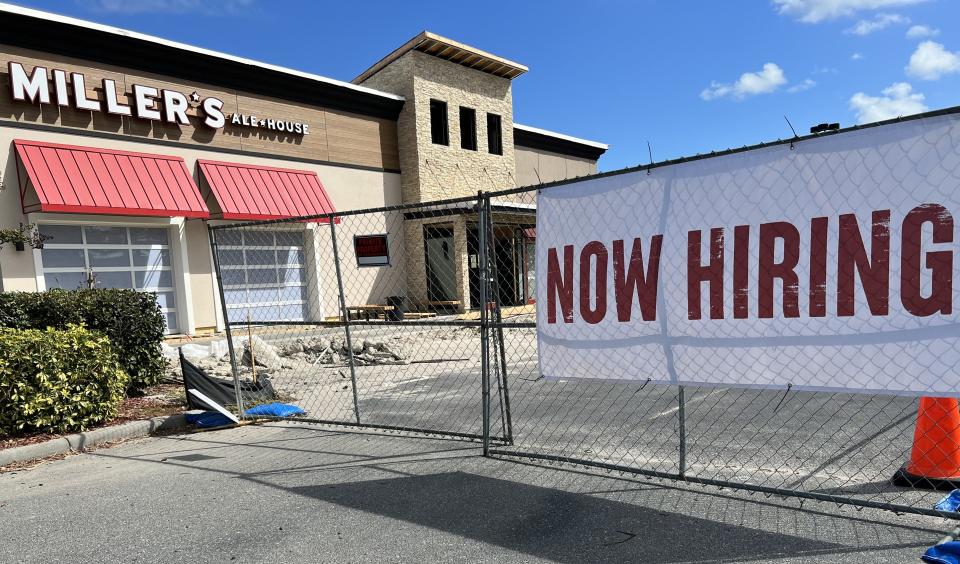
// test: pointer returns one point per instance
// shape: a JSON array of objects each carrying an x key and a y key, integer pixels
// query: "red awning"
[
  {"x": 67, "y": 178},
  {"x": 258, "y": 192}
]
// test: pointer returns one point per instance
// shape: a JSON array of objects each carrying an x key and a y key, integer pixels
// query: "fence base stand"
[{"x": 905, "y": 479}]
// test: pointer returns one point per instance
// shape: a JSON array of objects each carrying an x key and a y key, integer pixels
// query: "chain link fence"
[
  {"x": 360, "y": 318},
  {"x": 836, "y": 447},
  {"x": 421, "y": 319}
]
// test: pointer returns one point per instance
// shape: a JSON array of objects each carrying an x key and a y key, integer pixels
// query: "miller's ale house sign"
[{"x": 144, "y": 102}]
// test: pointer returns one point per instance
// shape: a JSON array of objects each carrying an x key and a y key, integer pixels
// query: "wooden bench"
[
  {"x": 365, "y": 311},
  {"x": 444, "y": 305},
  {"x": 419, "y": 314}
]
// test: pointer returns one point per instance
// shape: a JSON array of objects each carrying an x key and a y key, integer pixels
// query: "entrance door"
[
  {"x": 439, "y": 258},
  {"x": 111, "y": 257}
]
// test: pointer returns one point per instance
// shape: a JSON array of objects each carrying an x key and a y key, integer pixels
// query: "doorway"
[{"x": 440, "y": 263}]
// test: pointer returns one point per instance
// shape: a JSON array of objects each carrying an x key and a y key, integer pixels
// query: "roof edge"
[
  {"x": 565, "y": 137},
  {"x": 423, "y": 36},
  {"x": 551, "y": 141},
  {"x": 120, "y": 32}
]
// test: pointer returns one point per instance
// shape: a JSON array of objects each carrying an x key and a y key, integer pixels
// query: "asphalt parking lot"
[{"x": 304, "y": 493}]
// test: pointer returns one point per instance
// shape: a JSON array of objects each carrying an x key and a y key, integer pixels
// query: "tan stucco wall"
[
  {"x": 348, "y": 188},
  {"x": 536, "y": 166}
]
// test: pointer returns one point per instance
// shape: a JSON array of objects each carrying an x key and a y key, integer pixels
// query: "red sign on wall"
[{"x": 371, "y": 250}]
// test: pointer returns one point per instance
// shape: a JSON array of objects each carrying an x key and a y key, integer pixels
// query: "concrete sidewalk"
[{"x": 298, "y": 493}]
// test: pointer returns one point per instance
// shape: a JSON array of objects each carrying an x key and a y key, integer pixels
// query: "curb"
[{"x": 79, "y": 442}]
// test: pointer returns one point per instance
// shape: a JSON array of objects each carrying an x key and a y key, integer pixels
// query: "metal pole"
[
  {"x": 226, "y": 320},
  {"x": 498, "y": 319},
  {"x": 346, "y": 317},
  {"x": 683, "y": 434},
  {"x": 484, "y": 321}
]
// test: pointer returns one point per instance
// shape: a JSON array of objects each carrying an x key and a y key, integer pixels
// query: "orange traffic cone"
[{"x": 935, "y": 457}]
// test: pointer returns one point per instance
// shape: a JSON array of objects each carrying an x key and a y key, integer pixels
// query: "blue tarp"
[
  {"x": 946, "y": 553},
  {"x": 208, "y": 419},
  {"x": 951, "y": 502},
  {"x": 275, "y": 409}
]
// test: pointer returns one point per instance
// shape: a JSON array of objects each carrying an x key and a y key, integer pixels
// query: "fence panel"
[
  {"x": 838, "y": 447},
  {"x": 362, "y": 317}
]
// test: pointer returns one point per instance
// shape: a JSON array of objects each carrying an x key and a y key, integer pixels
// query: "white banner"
[{"x": 829, "y": 265}]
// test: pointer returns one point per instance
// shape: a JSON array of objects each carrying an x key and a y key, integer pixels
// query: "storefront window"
[{"x": 111, "y": 257}]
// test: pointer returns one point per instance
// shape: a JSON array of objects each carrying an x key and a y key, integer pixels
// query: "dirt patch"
[{"x": 156, "y": 401}]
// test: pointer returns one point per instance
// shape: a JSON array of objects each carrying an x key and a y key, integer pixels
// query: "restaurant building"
[{"x": 124, "y": 148}]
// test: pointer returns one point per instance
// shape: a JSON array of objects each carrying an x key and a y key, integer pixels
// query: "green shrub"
[
  {"x": 132, "y": 320},
  {"x": 56, "y": 381}
]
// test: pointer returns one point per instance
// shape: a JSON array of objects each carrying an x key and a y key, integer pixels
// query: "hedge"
[
  {"x": 131, "y": 320},
  {"x": 57, "y": 381}
]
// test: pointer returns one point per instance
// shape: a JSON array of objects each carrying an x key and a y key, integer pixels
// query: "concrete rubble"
[{"x": 273, "y": 358}]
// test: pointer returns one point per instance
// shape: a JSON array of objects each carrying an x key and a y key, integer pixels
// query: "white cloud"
[
  {"x": 764, "y": 81},
  {"x": 168, "y": 6},
  {"x": 879, "y": 21},
  {"x": 814, "y": 11},
  {"x": 805, "y": 85},
  {"x": 931, "y": 60},
  {"x": 896, "y": 100},
  {"x": 921, "y": 31},
  {"x": 856, "y": 56}
]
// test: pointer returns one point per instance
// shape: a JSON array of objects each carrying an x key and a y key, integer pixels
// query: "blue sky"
[{"x": 687, "y": 76}]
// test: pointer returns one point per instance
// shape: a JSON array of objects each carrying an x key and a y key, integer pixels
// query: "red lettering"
[
  {"x": 630, "y": 278},
  {"x": 560, "y": 286},
  {"x": 818, "y": 266},
  {"x": 852, "y": 260},
  {"x": 593, "y": 250},
  {"x": 712, "y": 274},
  {"x": 784, "y": 270},
  {"x": 939, "y": 262},
  {"x": 741, "y": 271}
]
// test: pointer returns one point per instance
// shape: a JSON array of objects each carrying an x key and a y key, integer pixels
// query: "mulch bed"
[{"x": 163, "y": 399}]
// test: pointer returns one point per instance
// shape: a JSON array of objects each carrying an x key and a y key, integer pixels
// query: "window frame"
[
  {"x": 468, "y": 116},
  {"x": 495, "y": 144},
  {"x": 438, "y": 137}
]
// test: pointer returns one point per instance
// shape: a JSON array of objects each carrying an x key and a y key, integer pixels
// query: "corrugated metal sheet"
[
  {"x": 69, "y": 178},
  {"x": 249, "y": 192}
]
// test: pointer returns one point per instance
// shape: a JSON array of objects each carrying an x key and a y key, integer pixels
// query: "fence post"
[
  {"x": 681, "y": 416},
  {"x": 345, "y": 316},
  {"x": 482, "y": 235},
  {"x": 504, "y": 388},
  {"x": 226, "y": 320}
]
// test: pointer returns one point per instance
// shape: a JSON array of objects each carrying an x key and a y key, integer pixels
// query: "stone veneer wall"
[{"x": 433, "y": 172}]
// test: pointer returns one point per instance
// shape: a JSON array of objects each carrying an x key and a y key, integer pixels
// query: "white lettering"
[
  {"x": 30, "y": 88},
  {"x": 306, "y": 129},
  {"x": 235, "y": 119},
  {"x": 60, "y": 86},
  {"x": 175, "y": 107},
  {"x": 144, "y": 98},
  {"x": 110, "y": 98},
  {"x": 80, "y": 99},
  {"x": 214, "y": 110}
]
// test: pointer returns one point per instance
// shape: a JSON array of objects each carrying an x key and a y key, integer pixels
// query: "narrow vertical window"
[
  {"x": 468, "y": 128},
  {"x": 439, "y": 130},
  {"x": 494, "y": 134}
]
